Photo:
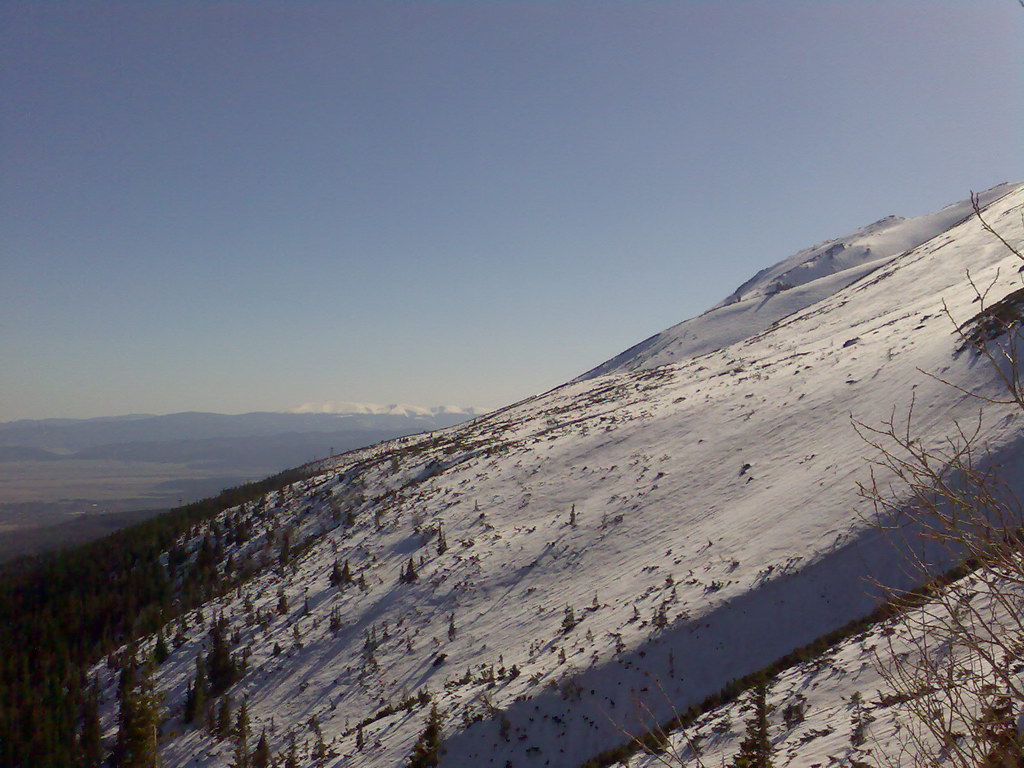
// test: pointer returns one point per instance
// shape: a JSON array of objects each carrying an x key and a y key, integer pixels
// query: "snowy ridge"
[
  {"x": 693, "y": 521},
  {"x": 794, "y": 283}
]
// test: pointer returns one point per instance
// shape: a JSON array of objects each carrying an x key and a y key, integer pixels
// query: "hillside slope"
[
  {"x": 694, "y": 521},
  {"x": 791, "y": 285}
]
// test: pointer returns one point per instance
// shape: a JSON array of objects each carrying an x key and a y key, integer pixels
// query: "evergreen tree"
[
  {"x": 90, "y": 739},
  {"x": 859, "y": 721},
  {"x": 240, "y": 735},
  {"x": 427, "y": 751},
  {"x": 221, "y": 667},
  {"x": 319, "y": 751},
  {"x": 160, "y": 651},
  {"x": 442, "y": 543},
  {"x": 756, "y": 747},
  {"x": 261, "y": 756},
  {"x": 336, "y": 577},
  {"x": 139, "y": 721},
  {"x": 568, "y": 619},
  {"x": 126, "y": 706},
  {"x": 292, "y": 759},
  {"x": 282, "y": 601},
  {"x": 198, "y": 693},
  {"x": 223, "y": 724}
]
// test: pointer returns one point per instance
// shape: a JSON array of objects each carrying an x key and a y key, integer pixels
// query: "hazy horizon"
[
  {"x": 329, "y": 408},
  {"x": 235, "y": 208}
]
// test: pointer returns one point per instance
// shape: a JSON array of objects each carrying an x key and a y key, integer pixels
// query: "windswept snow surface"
[
  {"x": 841, "y": 708},
  {"x": 693, "y": 522},
  {"x": 791, "y": 285}
]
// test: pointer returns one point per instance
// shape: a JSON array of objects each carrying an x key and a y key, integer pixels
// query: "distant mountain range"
[
  {"x": 53, "y": 471},
  {"x": 69, "y": 436}
]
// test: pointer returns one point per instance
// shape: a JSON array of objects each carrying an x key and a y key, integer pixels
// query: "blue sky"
[{"x": 247, "y": 206}]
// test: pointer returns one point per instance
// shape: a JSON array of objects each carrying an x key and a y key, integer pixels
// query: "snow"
[
  {"x": 701, "y": 519},
  {"x": 791, "y": 285},
  {"x": 851, "y": 684}
]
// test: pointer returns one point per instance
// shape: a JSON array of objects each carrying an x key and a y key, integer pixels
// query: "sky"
[{"x": 230, "y": 206}]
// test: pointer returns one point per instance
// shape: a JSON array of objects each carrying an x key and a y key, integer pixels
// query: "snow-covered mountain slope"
[
  {"x": 861, "y": 701},
  {"x": 700, "y": 518},
  {"x": 787, "y": 287}
]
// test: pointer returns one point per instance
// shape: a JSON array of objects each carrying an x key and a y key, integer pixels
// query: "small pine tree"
[
  {"x": 451, "y": 627},
  {"x": 221, "y": 667},
  {"x": 568, "y": 619},
  {"x": 223, "y": 724},
  {"x": 337, "y": 577},
  {"x": 794, "y": 711},
  {"x": 442, "y": 543},
  {"x": 859, "y": 721},
  {"x": 240, "y": 737},
  {"x": 261, "y": 756},
  {"x": 160, "y": 651},
  {"x": 198, "y": 693},
  {"x": 282, "y": 601},
  {"x": 428, "y": 749},
  {"x": 756, "y": 747},
  {"x": 319, "y": 753},
  {"x": 292, "y": 759},
  {"x": 660, "y": 620}
]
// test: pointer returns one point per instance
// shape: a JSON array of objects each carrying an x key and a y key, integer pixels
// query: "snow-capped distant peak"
[{"x": 377, "y": 409}]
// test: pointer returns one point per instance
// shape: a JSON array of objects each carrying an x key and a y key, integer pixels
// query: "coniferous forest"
[{"x": 63, "y": 612}]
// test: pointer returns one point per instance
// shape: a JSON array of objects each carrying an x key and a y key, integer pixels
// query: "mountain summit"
[{"x": 794, "y": 283}]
